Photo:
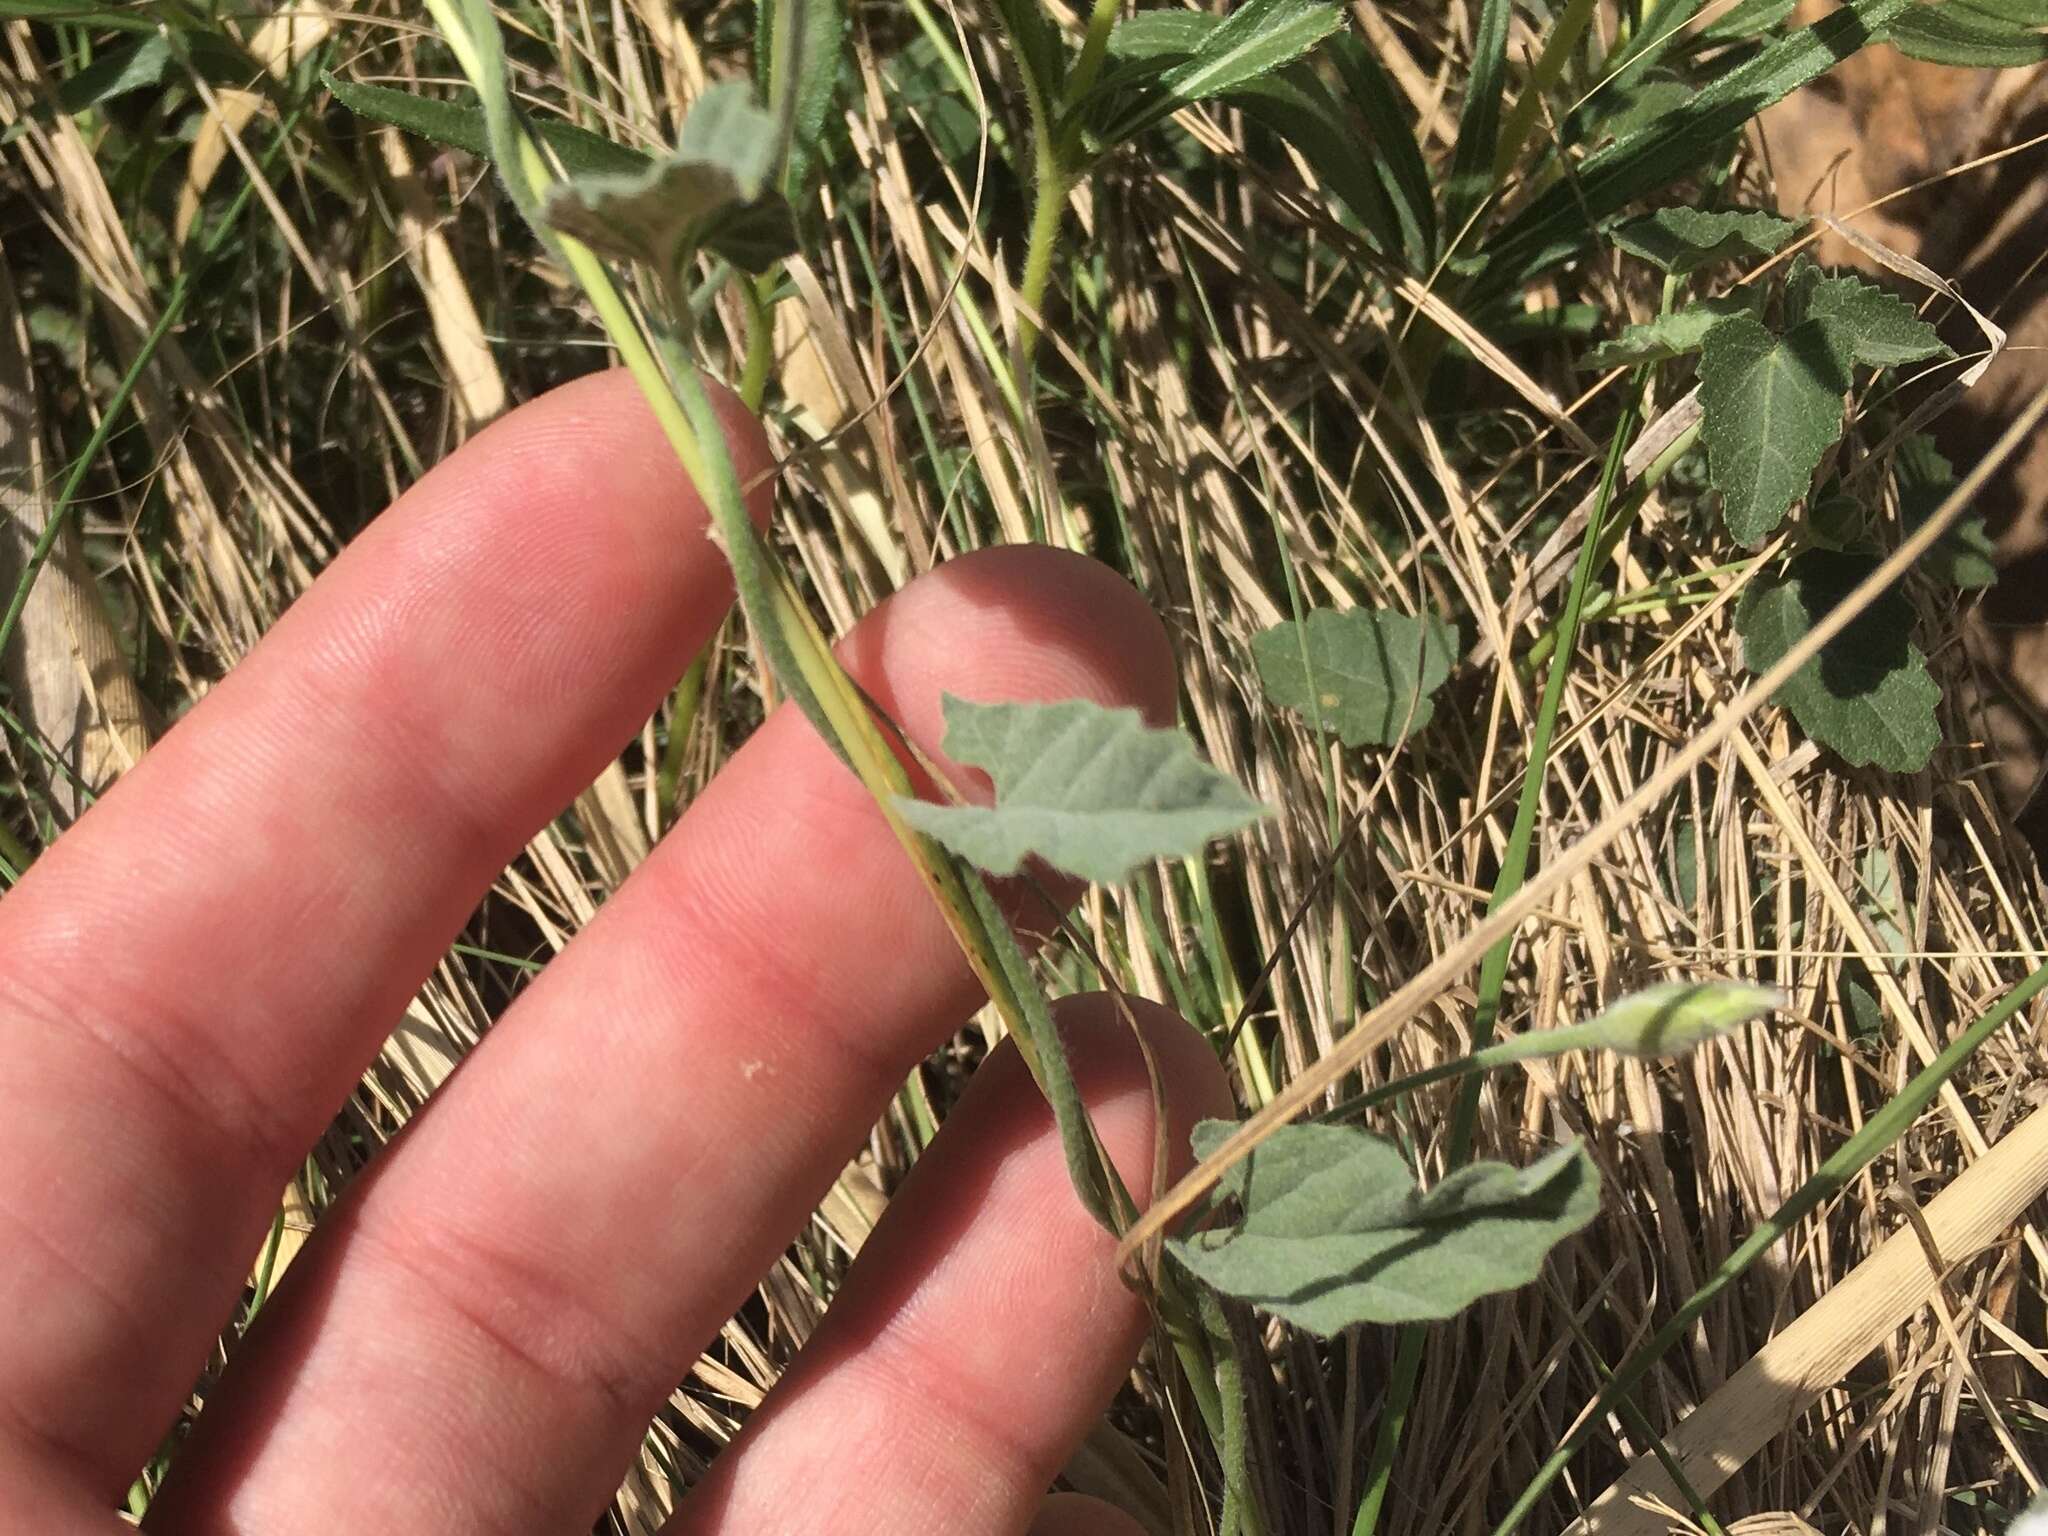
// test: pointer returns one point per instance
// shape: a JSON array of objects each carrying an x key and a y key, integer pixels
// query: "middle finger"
[{"x": 494, "y": 1318}]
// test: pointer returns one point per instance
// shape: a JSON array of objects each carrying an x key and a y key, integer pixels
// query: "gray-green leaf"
[
  {"x": 719, "y": 167},
  {"x": 1092, "y": 791},
  {"x": 1770, "y": 407},
  {"x": 1335, "y": 1231},
  {"x": 1673, "y": 1017},
  {"x": 1670, "y": 335},
  {"x": 1868, "y": 694},
  {"x": 1366, "y": 673},
  {"x": 1683, "y": 240}
]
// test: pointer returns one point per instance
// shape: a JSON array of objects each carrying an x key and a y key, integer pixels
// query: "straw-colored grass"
[{"x": 1217, "y": 418}]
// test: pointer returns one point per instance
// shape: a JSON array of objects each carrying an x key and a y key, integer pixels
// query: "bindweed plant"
[
  {"x": 1323, "y": 1225},
  {"x": 1507, "y": 381}
]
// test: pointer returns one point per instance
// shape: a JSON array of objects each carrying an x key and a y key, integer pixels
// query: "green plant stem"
[
  {"x": 1879, "y": 1132},
  {"x": 682, "y": 717},
  {"x": 1493, "y": 968},
  {"x": 1088, "y": 67},
  {"x": 1048, "y": 211},
  {"x": 753, "y": 384}
]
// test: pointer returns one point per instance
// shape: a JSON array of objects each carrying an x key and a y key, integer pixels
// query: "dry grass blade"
[
  {"x": 72, "y": 685},
  {"x": 1868, "y": 1305},
  {"x": 1305, "y": 1090}
]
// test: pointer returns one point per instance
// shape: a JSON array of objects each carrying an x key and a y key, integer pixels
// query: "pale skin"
[{"x": 193, "y": 978}]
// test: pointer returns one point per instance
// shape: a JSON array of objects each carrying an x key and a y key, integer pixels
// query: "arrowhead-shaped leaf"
[
  {"x": 1683, "y": 240},
  {"x": 1335, "y": 1231},
  {"x": 1770, "y": 407},
  {"x": 1367, "y": 673},
  {"x": 1670, "y": 335},
  {"x": 1092, "y": 791},
  {"x": 1868, "y": 694},
  {"x": 720, "y": 166},
  {"x": 1672, "y": 1017}
]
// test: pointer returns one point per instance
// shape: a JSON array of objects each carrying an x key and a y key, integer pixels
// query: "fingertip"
[
  {"x": 1080, "y": 1514},
  {"x": 1014, "y": 623},
  {"x": 599, "y": 432}
]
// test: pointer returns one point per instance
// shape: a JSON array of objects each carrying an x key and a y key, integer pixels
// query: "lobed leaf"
[
  {"x": 1863, "y": 323},
  {"x": 1868, "y": 695},
  {"x": 1335, "y": 1231},
  {"x": 1770, "y": 407},
  {"x": 1682, "y": 240},
  {"x": 1091, "y": 791},
  {"x": 1366, "y": 673}
]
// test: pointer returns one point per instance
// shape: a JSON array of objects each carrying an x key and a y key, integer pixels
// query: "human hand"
[{"x": 193, "y": 979}]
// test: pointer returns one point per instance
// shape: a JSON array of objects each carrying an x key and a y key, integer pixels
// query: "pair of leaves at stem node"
[{"x": 1771, "y": 401}]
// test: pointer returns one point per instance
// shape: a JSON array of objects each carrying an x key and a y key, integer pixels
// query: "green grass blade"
[
  {"x": 1555, "y": 226},
  {"x": 1878, "y": 1133},
  {"x": 1479, "y": 120}
]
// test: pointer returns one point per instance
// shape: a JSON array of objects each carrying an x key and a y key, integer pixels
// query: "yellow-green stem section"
[
  {"x": 845, "y": 711},
  {"x": 1048, "y": 208}
]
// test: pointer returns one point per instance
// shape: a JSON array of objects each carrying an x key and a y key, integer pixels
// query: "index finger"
[{"x": 193, "y": 978}]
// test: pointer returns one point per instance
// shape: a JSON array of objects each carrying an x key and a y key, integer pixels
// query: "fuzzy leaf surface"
[
  {"x": 1367, "y": 673},
  {"x": 1335, "y": 1231},
  {"x": 718, "y": 169},
  {"x": 1682, "y": 240},
  {"x": 1673, "y": 1017},
  {"x": 1770, "y": 407},
  {"x": 1868, "y": 694},
  {"x": 1863, "y": 323},
  {"x": 1669, "y": 335},
  {"x": 1092, "y": 791}
]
